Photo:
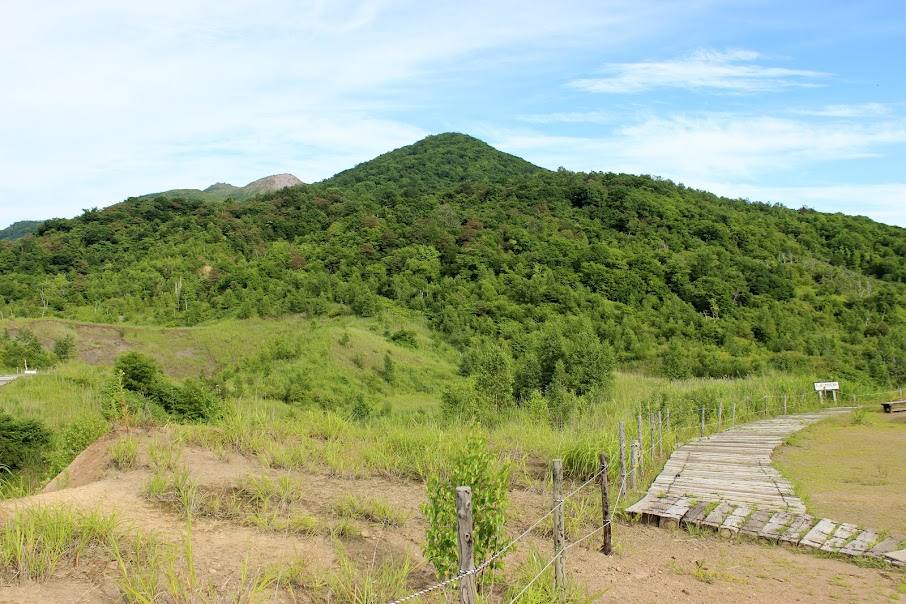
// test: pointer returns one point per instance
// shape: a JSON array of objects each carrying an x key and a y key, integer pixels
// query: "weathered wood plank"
[
  {"x": 819, "y": 533},
  {"x": 696, "y": 514},
  {"x": 840, "y": 537},
  {"x": 734, "y": 521},
  {"x": 756, "y": 521},
  {"x": 776, "y": 526},
  {"x": 671, "y": 517},
  {"x": 891, "y": 544},
  {"x": 860, "y": 544},
  {"x": 797, "y": 529},
  {"x": 717, "y": 515}
]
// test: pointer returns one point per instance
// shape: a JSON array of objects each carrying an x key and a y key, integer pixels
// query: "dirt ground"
[{"x": 650, "y": 564}]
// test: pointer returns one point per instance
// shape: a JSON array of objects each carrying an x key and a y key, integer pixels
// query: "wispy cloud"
[
  {"x": 861, "y": 110},
  {"x": 574, "y": 117},
  {"x": 730, "y": 71},
  {"x": 708, "y": 147}
]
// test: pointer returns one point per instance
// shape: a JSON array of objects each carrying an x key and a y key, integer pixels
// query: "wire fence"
[{"x": 712, "y": 418}]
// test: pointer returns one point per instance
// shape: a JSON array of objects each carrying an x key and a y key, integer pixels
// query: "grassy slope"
[{"x": 851, "y": 472}]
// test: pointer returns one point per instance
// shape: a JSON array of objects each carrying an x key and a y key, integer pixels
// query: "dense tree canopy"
[{"x": 537, "y": 272}]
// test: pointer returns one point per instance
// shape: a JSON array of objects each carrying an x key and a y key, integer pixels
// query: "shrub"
[
  {"x": 21, "y": 441},
  {"x": 477, "y": 468},
  {"x": 140, "y": 373},
  {"x": 65, "y": 348}
]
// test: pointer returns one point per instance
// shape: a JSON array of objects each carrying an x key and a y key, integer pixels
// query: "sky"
[{"x": 801, "y": 103}]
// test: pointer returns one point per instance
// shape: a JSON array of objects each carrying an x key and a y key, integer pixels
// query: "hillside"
[
  {"x": 19, "y": 229},
  {"x": 500, "y": 257}
]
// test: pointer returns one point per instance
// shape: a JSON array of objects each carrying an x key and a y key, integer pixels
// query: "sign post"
[{"x": 822, "y": 387}]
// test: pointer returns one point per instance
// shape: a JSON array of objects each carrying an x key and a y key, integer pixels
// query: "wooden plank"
[
  {"x": 717, "y": 515},
  {"x": 891, "y": 544},
  {"x": 696, "y": 514},
  {"x": 798, "y": 528},
  {"x": 860, "y": 544},
  {"x": 756, "y": 521},
  {"x": 819, "y": 533},
  {"x": 734, "y": 521},
  {"x": 671, "y": 517},
  {"x": 776, "y": 526},
  {"x": 840, "y": 537}
]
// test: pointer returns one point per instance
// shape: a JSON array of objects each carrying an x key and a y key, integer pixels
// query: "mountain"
[
  {"x": 492, "y": 251},
  {"x": 437, "y": 161},
  {"x": 222, "y": 191},
  {"x": 19, "y": 229}
]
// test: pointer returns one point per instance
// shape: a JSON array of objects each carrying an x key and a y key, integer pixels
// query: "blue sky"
[{"x": 801, "y": 103}]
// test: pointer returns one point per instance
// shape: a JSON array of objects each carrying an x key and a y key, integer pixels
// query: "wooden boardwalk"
[
  {"x": 6, "y": 379},
  {"x": 726, "y": 482}
]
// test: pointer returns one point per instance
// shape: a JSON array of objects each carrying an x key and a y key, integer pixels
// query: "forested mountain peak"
[{"x": 437, "y": 161}]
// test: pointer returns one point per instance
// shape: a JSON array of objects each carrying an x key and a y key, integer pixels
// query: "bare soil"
[{"x": 650, "y": 565}]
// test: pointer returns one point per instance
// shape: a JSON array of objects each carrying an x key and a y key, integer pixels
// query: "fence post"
[
  {"x": 834, "y": 394},
  {"x": 660, "y": 433},
  {"x": 901, "y": 392},
  {"x": 467, "y": 593},
  {"x": 765, "y": 405},
  {"x": 734, "y": 414},
  {"x": 667, "y": 419},
  {"x": 785, "y": 398},
  {"x": 606, "y": 545},
  {"x": 702, "y": 425},
  {"x": 559, "y": 529},
  {"x": 651, "y": 435},
  {"x": 854, "y": 400},
  {"x": 641, "y": 441},
  {"x": 634, "y": 468},
  {"x": 622, "y": 458},
  {"x": 720, "y": 415}
]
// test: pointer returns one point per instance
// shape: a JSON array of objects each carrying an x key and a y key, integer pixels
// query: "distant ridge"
[
  {"x": 19, "y": 229},
  {"x": 221, "y": 191}
]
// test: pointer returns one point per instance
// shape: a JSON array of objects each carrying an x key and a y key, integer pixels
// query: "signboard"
[{"x": 825, "y": 386}]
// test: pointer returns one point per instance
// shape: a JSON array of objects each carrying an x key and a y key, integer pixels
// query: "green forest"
[{"x": 548, "y": 278}]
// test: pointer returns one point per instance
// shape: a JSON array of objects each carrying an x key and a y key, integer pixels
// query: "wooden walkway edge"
[{"x": 725, "y": 482}]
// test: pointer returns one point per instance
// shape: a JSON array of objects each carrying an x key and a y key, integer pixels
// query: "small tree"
[{"x": 474, "y": 467}]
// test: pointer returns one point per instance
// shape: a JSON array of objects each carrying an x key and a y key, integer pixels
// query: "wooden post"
[
  {"x": 660, "y": 433},
  {"x": 901, "y": 392},
  {"x": 765, "y": 405},
  {"x": 467, "y": 593},
  {"x": 821, "y": 397},
  {"x": 785, "y": 398},
  {"x": 623, "y": 476},
  {"x": 634, "y": 468},
  {"x": 667, "y": 418},
  {"x": 834, "y": 394},
  {"x": 702, "y": 426},
  {"x": 854, "y": 399},
  {"x": 559, "y": 528},
  {"x": 651, "y": 435},
  {"x": 734, "y": 414},
  {"x": 641, "y": 441},
  {"x": 720, "y": 415},
  {"x": 606, "y": 545}
]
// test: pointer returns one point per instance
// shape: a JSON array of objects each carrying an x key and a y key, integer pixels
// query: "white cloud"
[
  {"x": 729, "y": 71},
  {"x": 862, "y": 110}
]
